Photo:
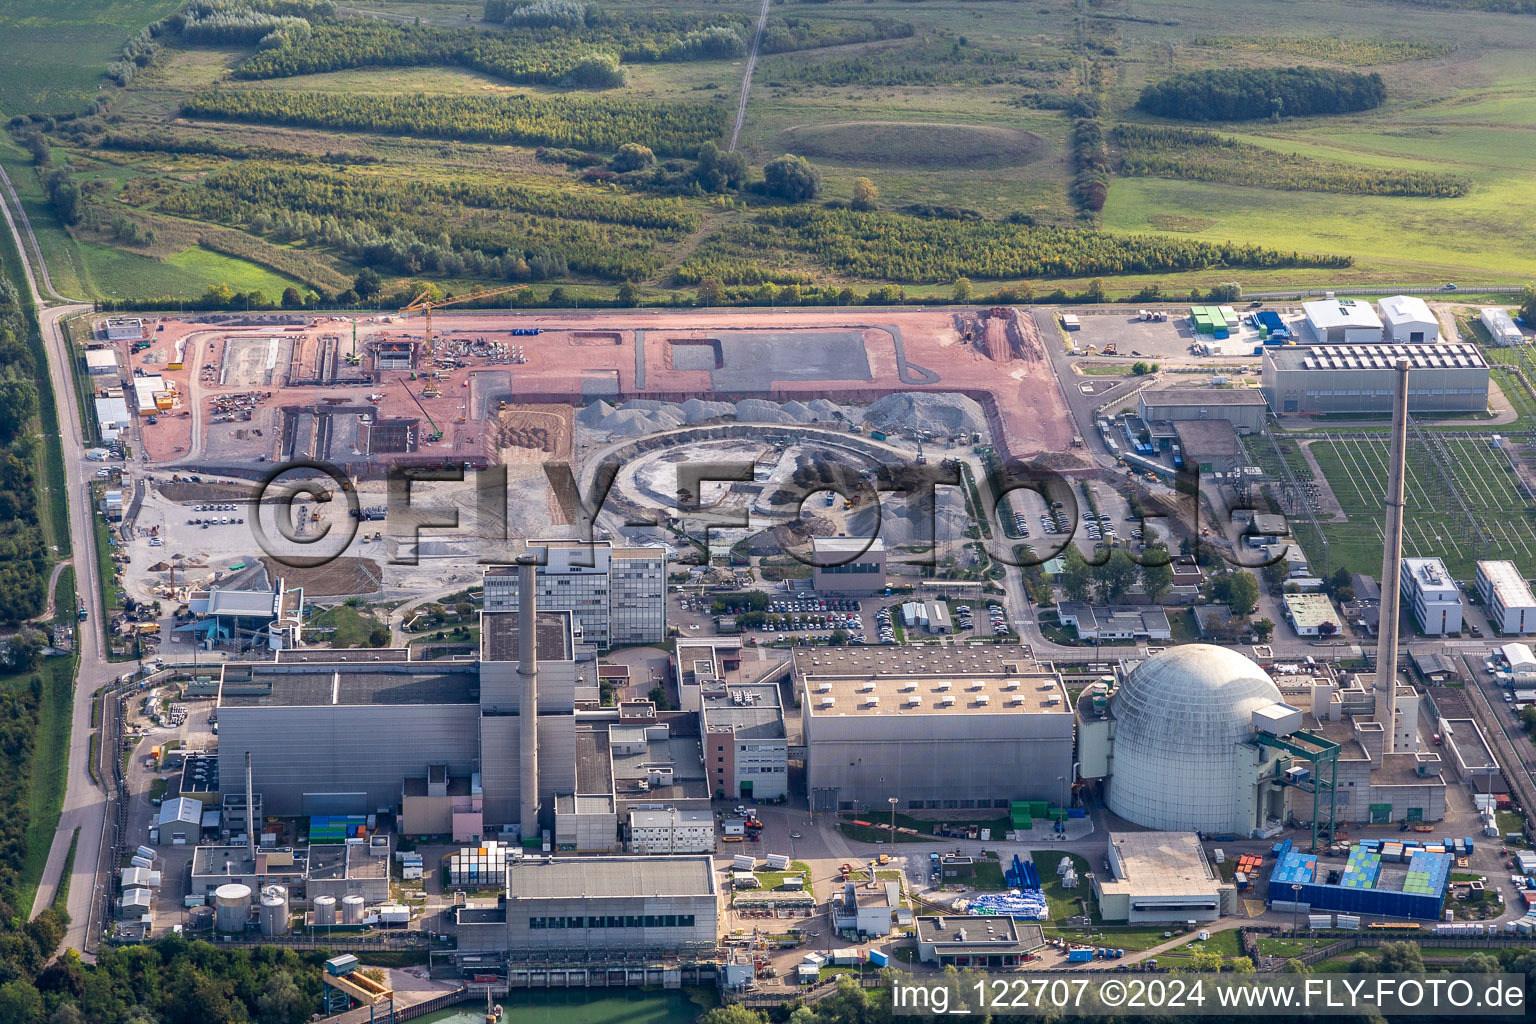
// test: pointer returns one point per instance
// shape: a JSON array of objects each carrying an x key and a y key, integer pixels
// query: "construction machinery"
[
  {"x": 436, "y": 435},
  {"x": 353, "y": 358},
  {"x": 1112, "y": 349},
  {"x": 424, "y": 304}
]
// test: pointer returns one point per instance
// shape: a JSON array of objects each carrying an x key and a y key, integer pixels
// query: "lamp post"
[
  {"x": 1295, "y": 904},
  {"x": 892, "y": 801}
]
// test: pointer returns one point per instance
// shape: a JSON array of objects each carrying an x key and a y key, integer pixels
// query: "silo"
[
  {"x": 232, "y": 907},
  {"x": 352, "y": 909},
  {"x": 325, "y": 910},
  {"x": 274, "y": 910}
]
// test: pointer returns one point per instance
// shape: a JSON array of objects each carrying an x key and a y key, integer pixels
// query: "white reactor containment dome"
[{"x": 1180, "y": 717}]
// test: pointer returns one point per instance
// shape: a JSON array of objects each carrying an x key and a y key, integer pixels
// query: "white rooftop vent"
[
  {"x": 872, "y": 700},
  {"x": 941, "y": 687},
  {"x": 983, "y": 699},
  {"x": 1016, "y": 701},
  {"x": 867, "y": 686},
  {"x": 913, "y": 701},
  {"x": 977, "y": 684},
  {"x": 908, "y": 687},
  {"x": 827, "y": 702},
  {"x": 946, "y": 701},
  {"x": 1012, "y": 684}
]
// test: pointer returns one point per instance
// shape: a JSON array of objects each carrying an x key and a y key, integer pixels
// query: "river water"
[{"x": 584, "y": 1006}]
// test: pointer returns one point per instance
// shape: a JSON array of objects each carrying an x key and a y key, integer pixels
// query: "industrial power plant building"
[
  {"x": 616, "y": 595},
  {"x": 346, "y": 736},
  {"x": 746, "y": 752},
  {"x": 847, "y": 565},
  {"x": 1159, "y": 878},
  {"x": 1245, "y": 408},
  {"x": 1358, "y": 378},
  {"x": 597, "y": 905},
  {"x": 935, "y": 727}
]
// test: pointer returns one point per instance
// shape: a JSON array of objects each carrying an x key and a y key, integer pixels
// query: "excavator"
[{"x": 425, "y": 304}]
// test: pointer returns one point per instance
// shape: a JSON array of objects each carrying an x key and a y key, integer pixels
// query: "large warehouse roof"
[
  {"x": 1331, "y": 358},
  {"x": 598, "y": 877},
  {"x": 271, "y": 685},
  {"x": 927, "y": 681}
]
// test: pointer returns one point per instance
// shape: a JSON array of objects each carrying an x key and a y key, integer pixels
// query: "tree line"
[
  {"x": 1189, "y": 154},
  {"x": 23, "y": 557},
  {"x": 894, "y": 247},
  {"x": 587, "y": 122},
  {"x": 1245, "y": 94},
  {"x": 468, "y": 226}
]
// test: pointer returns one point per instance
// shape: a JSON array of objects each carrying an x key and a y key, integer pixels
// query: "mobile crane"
[
  {"x": 436, "y": 435},
  {"x": 424, "y": 304}
]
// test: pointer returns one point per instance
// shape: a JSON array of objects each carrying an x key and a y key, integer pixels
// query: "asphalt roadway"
[{"x": 85, "y": 804}]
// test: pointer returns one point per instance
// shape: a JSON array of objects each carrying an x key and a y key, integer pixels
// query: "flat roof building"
[
  {"x": 1340, "y": 322},
  {"x": 1112, "y": 623},
  {"x": 1446, "y": 377},
  {"x": 1158, "y": 878},
  {"x": 700, "y": 661},
  {"x": 617, "y": 594},
  {"x": 848, "y": 565},
  {"x": 1312, "y": 615},
  {"x": 342, "y": 737},
  {"x": 982, "y": 942},
  {"x": 1432, "y": 594},
  {"x": 671, "y": 830},
  {"x": 1409, "y": 320},
  {"x": 100, "y": 362},
  {"x": 1506, "y": 597},
  {"x": 593, "y": 905},
  {"x": 111, "y": 417},
  {"x": 1244, "y": 408},
  {"x": 122, "y": 328},
  {"x": 1211, "y": 446},
  {"x": 746, "y": 753},
  {"x": 937, "y": 727}
]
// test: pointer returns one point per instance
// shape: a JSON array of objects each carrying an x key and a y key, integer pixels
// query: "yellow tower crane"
[{"x": 424, "y": 304}]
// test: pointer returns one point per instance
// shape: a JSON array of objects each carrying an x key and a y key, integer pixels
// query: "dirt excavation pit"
[{"x": 596, "y": 338}]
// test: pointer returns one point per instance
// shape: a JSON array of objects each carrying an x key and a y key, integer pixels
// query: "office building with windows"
[
  {"x": 848, "y": 565},
  {"x": 1432, "y": 595},
  {"x": 746, "y": 752},
  {"x": 616, "y": 594}
]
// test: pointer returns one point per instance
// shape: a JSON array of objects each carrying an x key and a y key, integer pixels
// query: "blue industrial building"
[{"x": 1379, "y": 880}]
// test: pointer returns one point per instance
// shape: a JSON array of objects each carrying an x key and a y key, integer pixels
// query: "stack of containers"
[
  {"x": 336, "y": 829},
  {"x": 1428, "y": 873},
  {"x": 479, "y": 866},
  {"x": 1295, "y": 867},
  {"x": 1364, "y": 866}
]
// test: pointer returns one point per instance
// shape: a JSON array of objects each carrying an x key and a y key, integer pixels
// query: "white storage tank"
[
  {"x": 325, "y": 910},
  {"x": 232, "y": 907},
  {"x": 274, "y": 910},
  {"x": 352, "y": 909}
]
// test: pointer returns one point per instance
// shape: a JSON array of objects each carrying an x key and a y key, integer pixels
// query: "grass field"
[
  {"x": 56, "y": 49},
  {"x": 965, "y": 113},
  {"x": 50, "y": 751},
  {"x": 1497, "y": 522},
  {"x": 351, "y": 625}
]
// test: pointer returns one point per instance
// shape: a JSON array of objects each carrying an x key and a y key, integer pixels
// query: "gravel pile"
[
  {"x": 937, "y": 413},
  {"x": 641, "y": 416}
]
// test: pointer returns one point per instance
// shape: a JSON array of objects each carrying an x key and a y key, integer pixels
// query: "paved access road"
[{"x": 85, "y": 803}]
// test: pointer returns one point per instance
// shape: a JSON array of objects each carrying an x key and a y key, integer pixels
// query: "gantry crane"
[
  {"x": 425, "y": 305},
  {"x": 436, "y": 435}
]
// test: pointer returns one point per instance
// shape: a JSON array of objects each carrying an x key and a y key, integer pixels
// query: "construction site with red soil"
[
  {"x": 233, "y": 398},
  {"x": 491, "y": 388}
]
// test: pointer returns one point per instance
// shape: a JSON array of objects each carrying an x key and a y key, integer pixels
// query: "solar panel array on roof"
[{"x": 1450, "y": 355}]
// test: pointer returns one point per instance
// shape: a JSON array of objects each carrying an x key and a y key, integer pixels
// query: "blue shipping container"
[{"x": 878, "y": 959}]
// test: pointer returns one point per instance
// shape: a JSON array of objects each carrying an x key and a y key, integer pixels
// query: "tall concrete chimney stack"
[
  {"x": 528, "y": 688},
  {"x": 1391, "y": 566},
  {"x": 250, "y": 810}
]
